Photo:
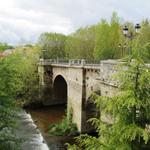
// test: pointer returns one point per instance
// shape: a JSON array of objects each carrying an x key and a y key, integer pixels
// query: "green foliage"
[
  {"x": 27, "y": 71},
  {"x": 129, "y": 109},
  {"x": 81, "y": 44},
  {"x": 8, "y": 140},
  {"x": 17, "y": 76},
  {"x": 10, "y": 85},
  {"x": 65, "y": 127},
  {"x": 5, "y": 46},
  {"x": 72, "y": 147},
  {"x": 20, "y": 72},
  {"x": 53, "y": 45},
  {"x": 141, "y": 45},
  {"x": 97, "y": 42},
  {"x": 108, "y": 37}
]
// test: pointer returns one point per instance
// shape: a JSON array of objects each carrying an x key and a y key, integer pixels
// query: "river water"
[
  {"x": 44, "y": 116},
  {"x": 33, "y": 128},
  {"x": 28, "y": 132}
]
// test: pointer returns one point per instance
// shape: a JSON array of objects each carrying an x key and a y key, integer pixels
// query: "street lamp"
[
  {"x": 130, "y": 35},
  {"x": 125, "y": 30},
  {"x": 137, "y": 28}
]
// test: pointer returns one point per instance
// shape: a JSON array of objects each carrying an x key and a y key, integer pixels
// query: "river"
[
  {"x": 44, "y": 116},
  {"x": 33, "y": 128}
]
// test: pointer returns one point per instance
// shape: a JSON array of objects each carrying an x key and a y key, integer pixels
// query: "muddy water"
[{"x": 45, "y": 116}]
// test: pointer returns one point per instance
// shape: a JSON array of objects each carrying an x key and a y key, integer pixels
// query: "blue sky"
[{"x": 24, "y": 20}]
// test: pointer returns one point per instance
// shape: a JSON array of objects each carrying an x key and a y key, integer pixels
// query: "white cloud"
[{"x": 26, "y": 19}]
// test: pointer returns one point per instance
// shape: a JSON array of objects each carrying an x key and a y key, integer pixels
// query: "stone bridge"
[{"x": 72, "y": 82}]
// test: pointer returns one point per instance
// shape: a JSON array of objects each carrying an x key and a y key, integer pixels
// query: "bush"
[{"x": 65, "y": 127}]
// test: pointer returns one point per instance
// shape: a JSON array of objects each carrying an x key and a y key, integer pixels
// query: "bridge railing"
[
  {"x": 92, "y": 63},
  {"x": 70, "y": 62},
  {"x": 52, "y": 61}
]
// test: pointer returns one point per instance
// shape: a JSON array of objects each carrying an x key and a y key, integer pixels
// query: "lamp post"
[
  {"x": 137, "y": 28},
  {"x": 130, "y": 35},
  {"x": 122, "y": 47},
  {"x": 43, "y": 53}
]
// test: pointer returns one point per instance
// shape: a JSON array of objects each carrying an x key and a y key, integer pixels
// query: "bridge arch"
[{"x": 60, "y": 88}]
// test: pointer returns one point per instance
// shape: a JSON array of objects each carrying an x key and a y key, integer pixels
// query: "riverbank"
[
  {"x": 30, "y": 136},
  {"x": 44, "y": 116}
]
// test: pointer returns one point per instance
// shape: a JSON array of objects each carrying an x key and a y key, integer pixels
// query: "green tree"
[
  {"x": 108, "y": 37},
  {"x": 141, "y": 44},
  {"x": 5, "y": 46},
  {"x": 18, "y": 80},
  {"x": 28, "y": 72},
  {"x": 81, "y": 44},
  {"x": 129, "y": 109},
  {"x": 53, "y": 44},
  {"x": 10, "y": 85}
]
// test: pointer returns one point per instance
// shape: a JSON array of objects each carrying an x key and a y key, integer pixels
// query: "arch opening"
[{"x": 60, "y": 90}]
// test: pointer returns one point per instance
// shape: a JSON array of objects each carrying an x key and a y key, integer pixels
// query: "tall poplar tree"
[{"x": 108, "y": 38}]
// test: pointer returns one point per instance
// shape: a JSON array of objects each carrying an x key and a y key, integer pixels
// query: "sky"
[{"x": 22, "y": 21}]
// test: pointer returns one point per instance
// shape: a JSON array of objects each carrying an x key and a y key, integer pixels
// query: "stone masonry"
[{"x": 78, "y": 80}]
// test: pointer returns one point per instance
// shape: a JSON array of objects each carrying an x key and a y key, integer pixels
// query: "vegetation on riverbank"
[
  {"x": 9, "y": 86},
  {"x": 18, "y": 81},
  {"x": 64, "y": 128}
]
